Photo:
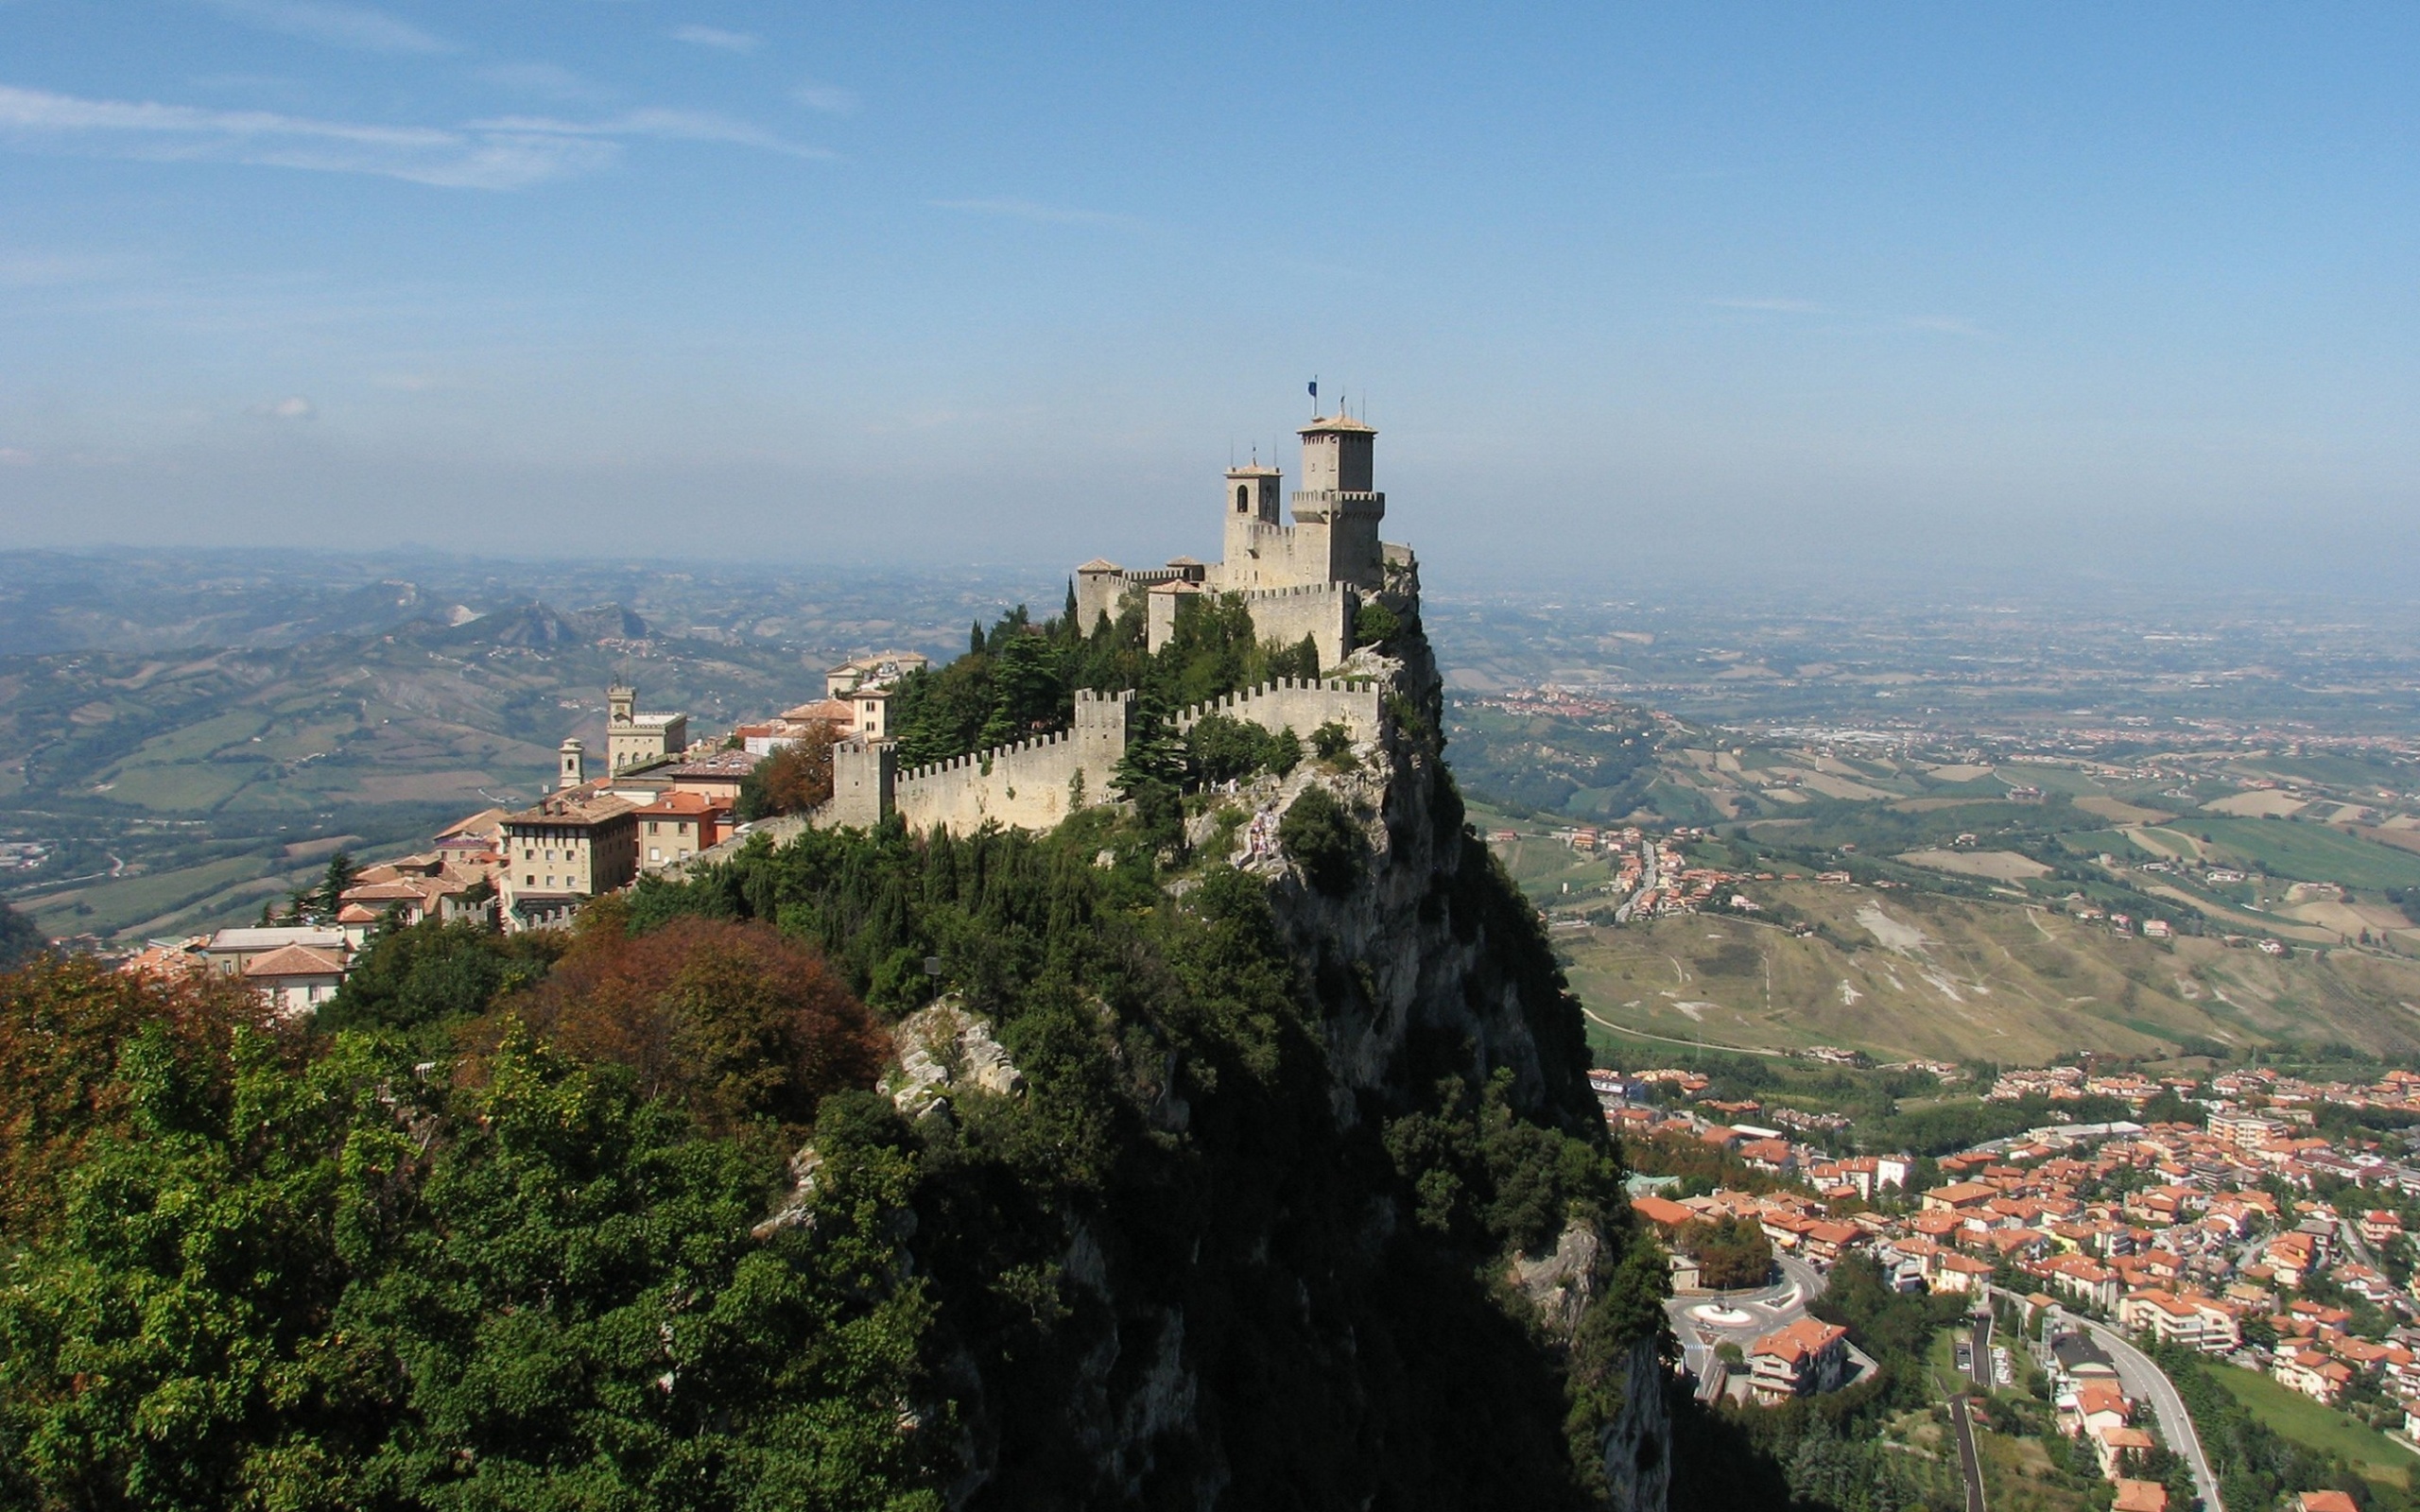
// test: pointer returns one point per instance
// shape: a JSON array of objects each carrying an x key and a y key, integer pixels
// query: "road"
[
  {"x": 1744, "y": 1318},
  {"x": 1966, "y": 1460},
  {"x": 1979, "y": 1366},
  {"x": 2145, "y": 1381}
]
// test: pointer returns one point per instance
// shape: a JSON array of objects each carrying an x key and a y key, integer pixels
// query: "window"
[
  {"x": 654, "y": 855},
  {"x": 530, "y": 880},
  {"x": 1243, "y": 498}
]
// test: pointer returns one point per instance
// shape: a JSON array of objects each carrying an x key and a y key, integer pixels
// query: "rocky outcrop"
[
  {"x": 1417, "y": 945},
  {"x": 1637, "y": 1443},
  {"x": 944, "y": 1048}
]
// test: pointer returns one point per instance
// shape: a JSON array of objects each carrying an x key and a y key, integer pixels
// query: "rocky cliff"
[{"x": 1255, "y": 1166}]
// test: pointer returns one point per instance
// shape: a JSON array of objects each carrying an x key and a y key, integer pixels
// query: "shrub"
[
  {"x": 1322, "y": 836},
  {"x": 431, "y": 972},
  {"x": 1220, "y": 748},
  {"x": 1332, "y": 741},
  {"x": 1376, "y": 625}
]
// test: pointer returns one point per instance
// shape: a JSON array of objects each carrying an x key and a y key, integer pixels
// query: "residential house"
[
  {"x": 296, "y": 979},
  {"x": 1807, "y": 1357}
]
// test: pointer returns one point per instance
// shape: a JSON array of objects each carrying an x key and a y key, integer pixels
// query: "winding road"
[{"x": 2145, "y": 1381}]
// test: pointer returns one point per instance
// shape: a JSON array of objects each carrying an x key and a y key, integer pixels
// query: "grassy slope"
[
  {"x": 2292, "y": 1415},
  {"x": 2005, "y": 983}
]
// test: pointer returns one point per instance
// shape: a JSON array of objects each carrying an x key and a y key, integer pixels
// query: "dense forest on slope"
[{"x": 878, "y": 1171}]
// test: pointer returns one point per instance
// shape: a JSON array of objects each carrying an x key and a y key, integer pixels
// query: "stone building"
[
  {"x": 563, "y": 851},
  {"x": 634, "y": 739},
  {"x": 1307, "y": 578}
]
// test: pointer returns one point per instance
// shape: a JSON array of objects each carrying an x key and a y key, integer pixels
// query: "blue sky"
[{"x": 1629, "y": 290}]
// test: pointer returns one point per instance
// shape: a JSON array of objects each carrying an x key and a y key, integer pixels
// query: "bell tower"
[{"x": 575, "y": 764}]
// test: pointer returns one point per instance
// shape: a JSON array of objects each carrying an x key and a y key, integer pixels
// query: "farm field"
[{"x": 2305, "y": 852}]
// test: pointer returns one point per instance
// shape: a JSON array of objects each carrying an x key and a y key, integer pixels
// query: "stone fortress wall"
[
  {"x": 1323, "y": 611},
  {"x": 1032, "y": 784},
  {"x": 1299, "y": 704}
]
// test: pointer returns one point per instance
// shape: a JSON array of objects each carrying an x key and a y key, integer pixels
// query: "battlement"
[
  {"x": 1299, "y": 704},
  {"x": 990, "y": 757}
]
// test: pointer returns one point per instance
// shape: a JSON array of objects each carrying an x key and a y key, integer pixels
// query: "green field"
[
  {"x": 130, "y": 901},
  {"x": 2308, "y": 852},
  {"x": 191, "y": 787},
  {"x": 199, "y": 739},
  {"x": 2292, "y": 1415}
]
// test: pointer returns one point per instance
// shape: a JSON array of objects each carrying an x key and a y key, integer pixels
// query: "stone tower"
[
  {"x": 574, "y": 764},
  {"x": 1337, "y": 507}
]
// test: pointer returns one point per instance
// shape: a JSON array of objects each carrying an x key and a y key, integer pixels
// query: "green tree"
[
  {"x": 339, "y": 876},
  {"x": 1324, "y": 839},
  {"x": 435, "y": 973},
  {"x": 19, "y": 939}
]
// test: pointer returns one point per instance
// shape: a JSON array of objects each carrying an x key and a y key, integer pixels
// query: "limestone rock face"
[
  {"x": 1412, "y": 946},
  {"x": 1413, "y": 953},
  {"x": 1638, "y": 1444},
  {"x": 1561, "y": 1283},
  {"x": 944, "y": 1047}
]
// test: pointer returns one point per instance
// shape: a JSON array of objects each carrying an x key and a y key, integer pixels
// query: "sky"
[{"x": 1789, "y": 292}]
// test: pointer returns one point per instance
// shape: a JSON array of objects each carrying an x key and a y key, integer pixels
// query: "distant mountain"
[{"x": 534, "y": 623}]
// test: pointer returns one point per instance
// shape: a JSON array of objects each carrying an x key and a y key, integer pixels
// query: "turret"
[
  {"x": 621, "y": 704},
  {"x": 575, "y": 764}
]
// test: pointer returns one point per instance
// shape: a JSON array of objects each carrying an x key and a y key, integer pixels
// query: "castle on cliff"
[{"x": 1307, "y": 578}]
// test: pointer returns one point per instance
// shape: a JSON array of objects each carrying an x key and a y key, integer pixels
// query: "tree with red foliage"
[
  {"x": 64, "y": 1021},
  {"x": 731, "y": 1019},
  {"x": 795, "y": 778}
]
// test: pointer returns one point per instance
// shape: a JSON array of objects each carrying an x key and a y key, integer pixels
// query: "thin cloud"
[
  {"x": 339, "y": 26},
  {"x": 11, "y": 456},
  {"x": 296, "y": 407},
  {"x": 552, "y": 81},
  {"x": 25, "y": 270},
  {"x": 512, "y": 152},
  {"x": 715, "y": 37},
  {"x": 830, "y": 100},
  {"x": 1775, "y": 306},
  {"x": 664, "y": 125},
  {"x": 1027, "y": 210}
]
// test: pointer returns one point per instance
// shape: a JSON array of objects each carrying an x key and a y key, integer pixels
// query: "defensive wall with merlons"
[
  {"x": 1299, "y": 704},
  {"x": 1035, "y": 784}
]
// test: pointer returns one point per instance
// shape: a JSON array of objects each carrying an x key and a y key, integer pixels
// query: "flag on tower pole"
[{"x": 1315, "y": 398}]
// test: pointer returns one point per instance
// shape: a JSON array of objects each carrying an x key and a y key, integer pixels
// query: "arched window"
[{"x": 1243, "y": 498}]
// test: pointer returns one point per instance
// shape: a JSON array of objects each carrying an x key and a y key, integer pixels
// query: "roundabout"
[{"x": 1715, "y": 1316}]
